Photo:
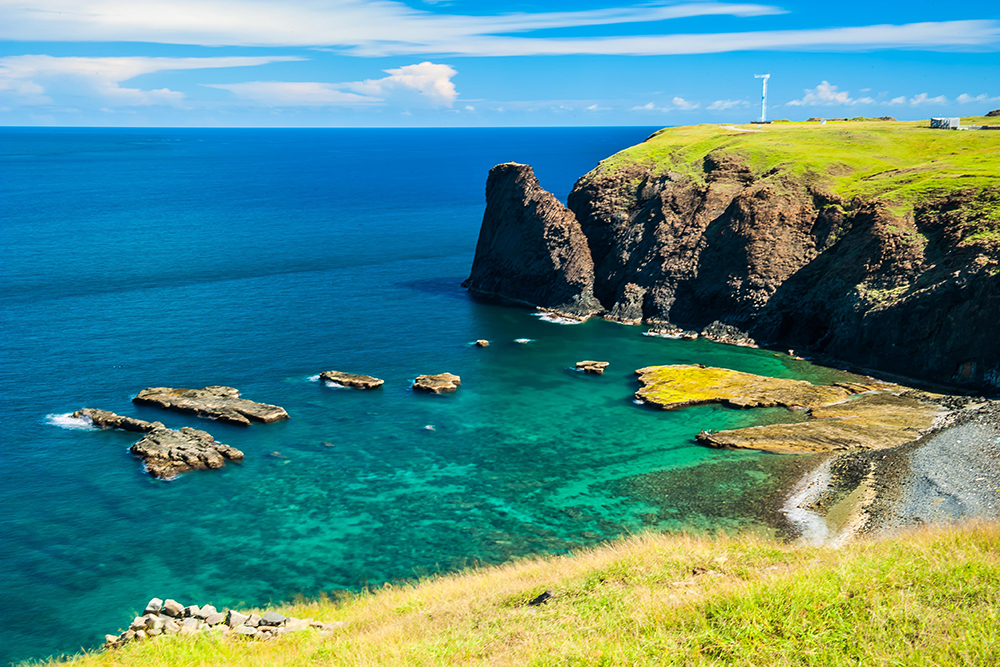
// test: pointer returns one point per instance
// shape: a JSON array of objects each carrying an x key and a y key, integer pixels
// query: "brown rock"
[
  {"x": 168, "y": 453},
  {"x": 107, "y": 419},
  {"x": 593, "y": 367},
  {"x": 443, "y": 383},
  {"x": 482, "y": 343},
  {"x": 221, "y": 403},
  {"x": 352, "y": 381}
]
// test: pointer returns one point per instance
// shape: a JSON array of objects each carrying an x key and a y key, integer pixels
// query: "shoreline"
[{"x": 949, "y": 475}]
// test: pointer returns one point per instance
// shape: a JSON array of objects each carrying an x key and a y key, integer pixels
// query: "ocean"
[{"x": 258, "y": 258}]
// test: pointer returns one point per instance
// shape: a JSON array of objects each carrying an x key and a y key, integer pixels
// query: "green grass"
[
  {"x": 928, "y": 597},
  {"x": 901, "y": 163}
]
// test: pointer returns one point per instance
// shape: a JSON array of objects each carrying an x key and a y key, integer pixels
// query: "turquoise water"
[{"x": 257, "y": 259}]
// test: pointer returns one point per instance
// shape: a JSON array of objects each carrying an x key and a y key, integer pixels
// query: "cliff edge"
[{"x": 871, "y": 243}]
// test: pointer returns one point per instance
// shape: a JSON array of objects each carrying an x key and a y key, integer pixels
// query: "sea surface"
[{"x": 257, "y": 259}]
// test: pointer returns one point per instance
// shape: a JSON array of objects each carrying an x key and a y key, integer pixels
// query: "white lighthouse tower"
[{"x": 763, "y": 96}]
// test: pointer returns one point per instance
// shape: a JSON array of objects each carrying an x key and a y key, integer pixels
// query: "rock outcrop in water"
[
  {"x": 351, "y": 380},
  {"x": 220, "y": 403},
  {"x": 531, "y": 249},
  {"x": 442, "y": 383},
  {"x": 166, "y": 452},
  {"x": 773, "y": 255}
]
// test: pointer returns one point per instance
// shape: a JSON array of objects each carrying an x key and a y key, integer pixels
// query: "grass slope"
[
  {"x": 930, "y": 597},
  {"x": 901, "y": 163}
]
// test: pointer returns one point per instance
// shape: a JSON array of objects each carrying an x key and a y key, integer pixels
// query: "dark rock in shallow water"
[
  {"x": 531, "y": 249},
  {"x": 221, "y": 403},
  {"x": 443, "y": 383},
  {"x": 352, "y": 381}
]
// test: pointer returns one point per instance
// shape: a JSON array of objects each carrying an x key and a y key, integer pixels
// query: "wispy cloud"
[
  {"x": 428, "y": 84},
  {"x": 32, "y": 80},
  {"x": 387, "y": 27},
  {"x": 722, "y": 105},
  {"x": 826, "y": 94},
  {"x": 676, "y": 104}
]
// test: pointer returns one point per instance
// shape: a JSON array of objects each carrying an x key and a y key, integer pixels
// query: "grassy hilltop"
[
  {"x": 930, "y": 597},
  {"x": 901, "y": 163}
]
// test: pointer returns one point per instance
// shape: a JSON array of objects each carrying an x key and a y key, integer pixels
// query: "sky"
[{"x": 431, "y": 63}]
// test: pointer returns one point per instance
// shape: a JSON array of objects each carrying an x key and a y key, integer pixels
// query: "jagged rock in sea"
[
  {"x": 592, "y": 367},
  {"x": 166, "y": 452},
  {"x": 482, "y": 343},
  {"x": 531, "y": 249},
  {"x": 442, "y": 383},
  {"x": 711, "y": 242},
  {"x": 220, "y": 403},
  {"x": 351, "y": 380}
]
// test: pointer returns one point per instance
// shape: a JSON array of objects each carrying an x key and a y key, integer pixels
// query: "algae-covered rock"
[
  {"x": 683, "y": 385},
  {"x": 876, "y": 421}
]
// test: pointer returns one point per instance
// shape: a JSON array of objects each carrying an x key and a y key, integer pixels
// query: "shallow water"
[{"x": 257, "y": 259}]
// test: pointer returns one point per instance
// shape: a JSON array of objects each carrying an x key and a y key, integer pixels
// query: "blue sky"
[{"x": 473, "y": 63}]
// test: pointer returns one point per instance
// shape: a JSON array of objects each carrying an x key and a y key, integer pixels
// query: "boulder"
[
  {"x": 272, "y": 618},
  {"x": 153, "y": 606},
  {"x": 215, "y": 618},
  {"x": 235, "y": 619},
  {"x": 191, "y": 611},
  {"x": 205, "y": 611},
  {"x": 221, "y": 403},
  {"x": 442, "y": 383},
  {"x": 245, "y": 631},
  {"x": 593, "y": 367},
  {"x": 173, "y": 608},
  {"x": 482, "y": 343},
  {"x": 351, "y": 380},
  {"x": 253, "y": 621}
]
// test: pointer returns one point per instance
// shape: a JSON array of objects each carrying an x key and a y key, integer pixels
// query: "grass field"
[
  {"x": 901, "y": 163},
  {"x": 928, "y": 597}
]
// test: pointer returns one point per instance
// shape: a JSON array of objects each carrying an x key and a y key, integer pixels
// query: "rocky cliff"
[{"x": 903, "y": 279}]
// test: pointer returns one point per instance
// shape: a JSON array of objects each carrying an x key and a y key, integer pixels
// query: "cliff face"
[
  {"x": 777, "y": 255},
  {"x": 531, "y": 249}
]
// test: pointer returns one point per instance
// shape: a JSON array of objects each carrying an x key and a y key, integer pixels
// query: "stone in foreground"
[
  {"x": 593, "y": 367},
  {"x": 442, "y": 383},
  {"x": 221, "y": 403},
  {"x": 351, "y": 380},
  {"x": 876, "y": 421},
  {"x": 680, "y": 386}
]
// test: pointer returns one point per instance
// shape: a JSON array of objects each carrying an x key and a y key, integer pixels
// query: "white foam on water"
[
  {"x": 313, "y": 378},
  {"x": 333, "y": 385},
  {"x": 638, "y": 401},
  {"x": 430, "y": 427},
  {"x": 810, "y": 524},
  {"x": 68, "y": 421},
  {"x": 556, "y": 319},
  {"x": 524, "y": 341}
]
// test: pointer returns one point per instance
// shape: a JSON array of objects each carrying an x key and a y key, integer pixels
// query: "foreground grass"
[
  {"x": 930, "y": 597},
  {"x": 902, "y": 163}
]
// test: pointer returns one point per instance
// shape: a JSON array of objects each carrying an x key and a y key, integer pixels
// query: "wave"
[
  {"x": 556, "y": 319},
  {"x": 638, "y": 401},
  {"x": 313, "y": 378},
  {"x": 68, "y": 421},
  {"x": 524, "y": 341},
  {"x": 812, "y": 527},
  {"x": 333, "y": 385}
]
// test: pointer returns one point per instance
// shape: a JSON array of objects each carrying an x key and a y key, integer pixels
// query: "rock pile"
[
  {"x": 166, "y": 452},
  {"x": 171, "y": 618},
  {"x": 351, "y": 380},
  {"x": 442, "y": 383},
  {"x": 593, "y": 367},
  {"x": 221, "y": 403}
]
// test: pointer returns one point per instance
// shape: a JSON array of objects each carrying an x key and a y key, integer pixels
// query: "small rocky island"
[
  {"x": 442, "y": 383},
  {"x": 351, "y": 380},
  {"x": 220, "y": 403},
  {"x": 166, "y": 452},
  {"x": 592, "y": 367}
]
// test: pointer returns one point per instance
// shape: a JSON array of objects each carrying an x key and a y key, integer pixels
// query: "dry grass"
[{"x": 928, "y": 597}]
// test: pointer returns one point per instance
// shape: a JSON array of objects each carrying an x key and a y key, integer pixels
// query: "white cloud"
[
  {"x": 924, "y": 99},
  {"x": 469, "y": 107},
  {"x": 33, "y": 80},
  {"x": 684, "y": 105},
  {"x": 825, "y": 94},
  {"x": 649, "y": 107},
  {"x": 722, "y": 105},
  {"x": 293, "y": 93},
  {"x": 966, "y": 99},
  {"x": 389, "y": 27},
  {"x": 429, "y": 81},
  {"x": 897, "y": 100}
]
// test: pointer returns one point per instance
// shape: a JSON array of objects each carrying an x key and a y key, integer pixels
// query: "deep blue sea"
[{"x": 257, "y": 259}]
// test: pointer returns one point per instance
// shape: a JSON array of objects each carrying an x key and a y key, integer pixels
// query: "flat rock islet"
[
  {"x": 592, "y": 367},
  {"x": 166, "y": 452},
  {"x": 215, "y": 402},
  {"x": 442, "y": 383},
  {"x": 352, "y": 380}
]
